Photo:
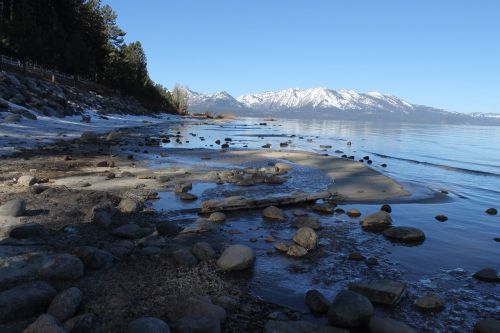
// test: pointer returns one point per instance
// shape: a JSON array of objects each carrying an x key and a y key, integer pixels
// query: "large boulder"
[
  {"x": 148, "y": 325},
  {"x": 487, "y": 275},
  {"x": 404, "y": 234},
  {"x": 61, "y": 267},
  {"x": 13, "y": 208},
  {"x": 350, "y": 309},
  {"x": 65, "y": 304},
  {"x": 306, "y": 237},
  {"x": 46, "y": 324},
  {"x": 25, "y": 300},
  {"x": 377, "y": 221},
  {"x": 236, "y": 257}
]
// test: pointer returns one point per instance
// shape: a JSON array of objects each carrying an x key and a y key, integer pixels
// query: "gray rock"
[
  {"x": 65, "y": 304},
  {"x": 316, "y": 302},
  {"x": 198, "y": 307},
  {"x": 197, "y": 325},
  {"x": 405, "y": 234},
  {"x": 131, "y": 231},
  {"x": 26, "y": 180},
  {"x": 129, "y": 206},
  {"x": 203, "y": 251},
  {"x": 14, "y": 208},
  {"x": 306, "y": 237},
  {"x": 93, "y": 257},
  {"x": 28, "y": 231},
  {"x": 430, "y": 302},
  {"x": 148, "y": 325},
  {"x": 45, "y": 324},
  {"x": 285, "y": 326},
  {"x": 274, "y": 213},
  {"x": 150, "y": 250},
  {"x": 187, "y": 196},
  {"x": 377, "y": 221},
  {"x": 199, "y": 226},
  {"x": 353, "y": 212},
  {"x": 296, "y": 251},
  {"x": 168, "y": 229},
  {"x": 89, "y": 137},
  {"x": 114, "y": 136},
  {"x": 61, "y": 267},
  {"x": 25, "y": 300},
  {"x": 488, "y": 325},
  {"x": 388, "y": 325},
  {"x": 152, "y": 240},
  {"x": 217, "y": 217},
  {"x": 324, "y": 208},
  {"x": 382, "y": 291},
  {"x": 350, "y": 309},
  {"x": 81, "y": 324},
  {"x": 306, "y": 221},
  {"x": 487, "y": 275},
  {"x": 184, "y": 257},
  {"x": 236, "y": 257}
]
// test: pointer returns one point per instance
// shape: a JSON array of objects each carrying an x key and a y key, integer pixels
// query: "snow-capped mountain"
[{"x": 328, "y": 103}]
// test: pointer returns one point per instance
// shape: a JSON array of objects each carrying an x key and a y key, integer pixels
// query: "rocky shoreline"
[{"x": 84, "y": 250}]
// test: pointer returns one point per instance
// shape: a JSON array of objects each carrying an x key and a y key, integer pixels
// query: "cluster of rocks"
[
  {"x": 253, "y": 176},
  {"x": 57, "y": 100}
]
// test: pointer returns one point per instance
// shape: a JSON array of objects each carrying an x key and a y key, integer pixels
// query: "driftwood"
[{"x": 238, "y": 202}]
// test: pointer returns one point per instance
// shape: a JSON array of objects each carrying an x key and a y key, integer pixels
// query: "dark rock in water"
[
  {"x": 488, "y": 325},
  {"x": 89, "y": 137},
  {"x": 366, "y": 158},
  {"x": 228, "y": 139},
  {"x": 224, "y": 145},
  {"x": 441, "y": 218},
  {"x": 350, "y": 309},
  {"x": 487, "y": 275},
  {"x": 197, "y": 324},
  {"x": 430, "y": 302},
  {"x": 168, "y": 229},
  {"x": 383, "y": 165},
  {"x": 25, "y": 300},
  {"x": 130, "y": 231},
  {"x": 148, "y": 325},
  {"x": 65, "y": 304},
  {"x": 316, "y": 302},
  {"x": 491, "y": 211},
  {"x": 187, "y": 196},
  {"x": 93, "y": 257},
  {"x": 339, "y": 211},
  {"x": 353, "y": 212},
  {"x": 217, "y": 142},
  {"x": 13, "y": 118},
  {"x": 383, "y": 291},
  {"x": 405, "y": 234},
  {"x": 102, "y": 164},
  {"x": 386, "y": 208},
  {"x": 388, "y": 325},
  {"x": 371, "y": 261},
  {"x": 324, "y": 208},
  {"x": 369, "y": 162},
  {"x": 45, "y": 324},
  {"x": 356, "y": 256},
  {"x": 61, "y": 267},
  {"x": 28, "y": 231},
  {"x": 14, "y": 208},
  {"x": 183, "y": 187},
  {"x": 496, "y": 239}
]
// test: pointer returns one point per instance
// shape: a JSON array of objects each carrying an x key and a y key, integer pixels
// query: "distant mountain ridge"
[{"x": 327, "y": 103}]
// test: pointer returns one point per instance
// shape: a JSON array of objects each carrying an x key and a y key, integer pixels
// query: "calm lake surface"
[{"x": 449, "y": 169}]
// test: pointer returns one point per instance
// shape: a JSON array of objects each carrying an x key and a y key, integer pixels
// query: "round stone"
[
  {"x": 350, "y": 309},
  {"x": 405, "y": 234},
  {"x": 236, "y": 258}
]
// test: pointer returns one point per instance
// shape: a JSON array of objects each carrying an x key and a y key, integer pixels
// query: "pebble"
[
  {"x": 430, "y": 302},
  {"x": 491, "y": 211}
]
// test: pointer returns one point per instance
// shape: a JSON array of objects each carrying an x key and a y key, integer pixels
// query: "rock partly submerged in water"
[
  {"x": 388, "y": 325},
  {"x": 384, "y": 291},
  {"x": 306, "y": 221},
  {"x": 306, "y": 237},
  {"x": 430, "y": 302},
  {"x": 274, "y": 213},
  {"x": 487, "y": 275},
  {"x": 405, "y": 234},
  {"x": 378, "y": 221},
  {"x": 353, "y": 212},
  {"x": 317, "y": 302}
]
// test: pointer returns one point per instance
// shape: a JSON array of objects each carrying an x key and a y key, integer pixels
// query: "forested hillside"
[{"x": 82, "y": 38}]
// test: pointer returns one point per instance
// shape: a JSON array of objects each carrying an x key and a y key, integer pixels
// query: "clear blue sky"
[{"x": 434, "y": 52}]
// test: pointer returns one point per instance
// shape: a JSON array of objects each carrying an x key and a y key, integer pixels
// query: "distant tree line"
[{"x": 79, "y": 37}]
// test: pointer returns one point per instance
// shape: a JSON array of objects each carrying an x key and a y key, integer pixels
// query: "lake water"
[{"x": 461, "y": 161}]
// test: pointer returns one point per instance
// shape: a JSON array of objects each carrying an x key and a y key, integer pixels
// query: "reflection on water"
[{"x": 462, "y": 163}]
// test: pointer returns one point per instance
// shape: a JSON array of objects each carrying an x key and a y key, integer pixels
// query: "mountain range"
[{"x": 324, "y": 103}]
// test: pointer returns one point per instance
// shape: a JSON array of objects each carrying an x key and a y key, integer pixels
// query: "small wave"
[{"x": 442, "y": 166}]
